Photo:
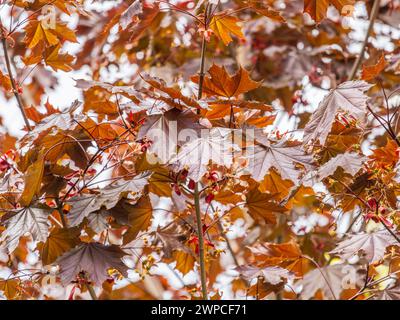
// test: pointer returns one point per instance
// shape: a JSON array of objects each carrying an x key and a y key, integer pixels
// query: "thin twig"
[
  {"x": 13, "y": 84},
  {"x": 203, "y": 275},
  {"x": 360, "y": 58}
]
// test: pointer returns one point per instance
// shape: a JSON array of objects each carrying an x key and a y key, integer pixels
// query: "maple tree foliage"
[{"x": 216, "y": 149}]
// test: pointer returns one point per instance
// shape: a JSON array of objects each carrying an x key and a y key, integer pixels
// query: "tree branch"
[
  {"x": 207, "y": 18},
  {"x": 13, "y": 83},
  {"x": 203, "y": 275},
  {"x": 202, "y": 261},
  {"x": 357, "y": 63}
]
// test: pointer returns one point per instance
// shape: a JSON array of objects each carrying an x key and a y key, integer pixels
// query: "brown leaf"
[
  {"x": 286, "y": 255},
  {"x": 370, "y": 72},
  {"x": 60, "y": 240},
  {"x": 262, "y": 206},
  {"x": 33, "y": 181},
  {"x": 139, "y": 218},
  {"x": 93, "y": 258},
  {"x": 10, "y": 288}
]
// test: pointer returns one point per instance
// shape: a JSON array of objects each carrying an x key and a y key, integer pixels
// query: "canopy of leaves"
[{"x": 250, "y": 142}]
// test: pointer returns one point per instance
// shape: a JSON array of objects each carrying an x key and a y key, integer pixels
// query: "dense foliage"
[{"x": 218, "y": 149}]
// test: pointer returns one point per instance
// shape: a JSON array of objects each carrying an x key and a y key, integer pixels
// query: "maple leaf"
[
  {"x": 5, "y": 82},
  {"x": 184, "y": 261},
  {"x": 216, "y": 147},
  {"x": 138, "y": 216},
  {"x": 328, "y": 279},
  {"x": 57, "y": 60},
  {"x": 283, "y": 155},
  {"x": 32, "y": 220},
  {"x": 272, "y": 275},
  {"x": 373, "y": 245},
  {"x": 10, "y": 288},
  {"x": 146, "y": 20},
  {"x": 262, "y": 206},
  {"x": 83, "y": 205},
  {"x": 286, "y": 255},
  {"x": 171, "y": 96},
  {"x": 221, "y": 83},
  {"x": 171, "y": 238},
  {"x": 93, "y": 258},
  {"x": 60, "y": 240},
  {"x": 269, "y": 279},
  {"x": 317, "y": 8},
  {"x": 119, "y": 173},
  {"x": 38, "y": 34},
  {"x": 164, "y": 131},
  {"x": 370, "y": 72},
  {"x": 273, "y": 183},
  {"x": 33, "y": 181},
  {"x": 349, "y": 97},
  {"x": 350, "y": 162},
  {"x": 57, "y": 146},
  {"x": 224, "y": 26},
  {"x": 386, "y": 156},
  {"x": 97, "y": 220}
]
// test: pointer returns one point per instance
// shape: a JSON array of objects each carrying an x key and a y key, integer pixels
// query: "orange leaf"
[
  {"x": 10, "y": 288},
  {"x": 5, "y": 82},
  {"x": 33, "y": 181},
  {"x": 224, "y": 26},
  {"x": 372, "y": 71},
  {"x": 221, "y": 83},
  {"x": 184, "y": 261},
  {"x": 58, "y": 61},
  {"x": 261, "y": 206},
  {"x": 37, "y": 34}
]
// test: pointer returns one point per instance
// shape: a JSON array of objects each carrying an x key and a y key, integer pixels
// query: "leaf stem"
[
  {"x": 199, "y": 223},
  {"x": 360, "y": 58},
  {"x": 13, "y": 84},
  {"x": 207, "y": 17},
  {"x": 202, "y": 66}
]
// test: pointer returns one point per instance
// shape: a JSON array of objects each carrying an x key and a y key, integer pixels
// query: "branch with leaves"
[{"x": 196, "y": 136}]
